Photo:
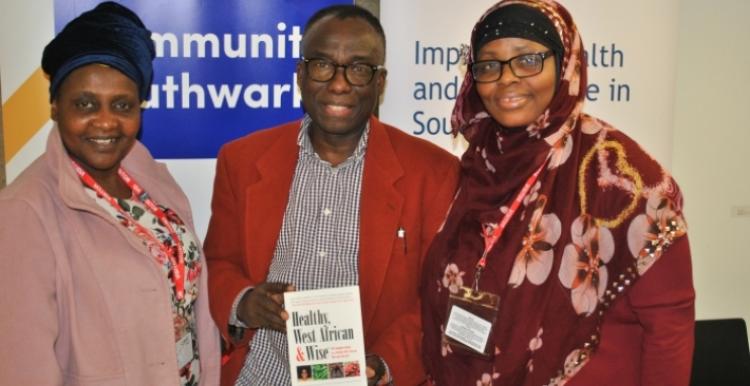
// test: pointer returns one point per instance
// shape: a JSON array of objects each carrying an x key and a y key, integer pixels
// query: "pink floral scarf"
[{"x": 602, "y": 213}]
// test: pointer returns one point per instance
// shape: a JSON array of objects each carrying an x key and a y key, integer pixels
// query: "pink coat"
[{"x": 83, "y": 302}]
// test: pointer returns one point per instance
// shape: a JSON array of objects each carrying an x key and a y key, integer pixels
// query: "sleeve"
[
  {"x": 401, "y": 344},
  {"x": 664, "y": 303},
  {"x": 224, "y": 252},
  {"x": 233, "y": 319},
  {"x": 29, "y": 325}
]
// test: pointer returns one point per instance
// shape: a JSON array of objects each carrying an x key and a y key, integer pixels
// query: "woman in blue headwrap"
[{"x": 102, "y": 279}]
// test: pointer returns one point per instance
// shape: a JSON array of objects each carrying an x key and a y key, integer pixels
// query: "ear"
[
  {"x": 53, "y": 110},
  {"x": 382, "y": 74},
  {"x": 300, "y": 68}
]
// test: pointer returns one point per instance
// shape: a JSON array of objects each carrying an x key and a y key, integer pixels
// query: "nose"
[
  {"x": 105, "y": 119},
  {"x": 506, "y": 74},
  {"x": 338, "y": 83}
]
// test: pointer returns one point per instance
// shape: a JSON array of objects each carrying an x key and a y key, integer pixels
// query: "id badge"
[
  {"x": 471, "y": 316},
  {"x": 185, "y": 352}
]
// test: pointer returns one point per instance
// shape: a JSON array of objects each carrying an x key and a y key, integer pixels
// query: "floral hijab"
[{"x": 600, "y": 215}]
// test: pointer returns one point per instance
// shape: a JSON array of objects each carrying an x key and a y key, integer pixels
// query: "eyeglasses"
[
  {"x": 522, "y": 66},
  {"x": 357, "y": 73}
]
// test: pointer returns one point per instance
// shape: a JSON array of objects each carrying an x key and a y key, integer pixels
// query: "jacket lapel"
[
  {"x": 380, "y": 210},
  {"x": 266, "y": 200}
]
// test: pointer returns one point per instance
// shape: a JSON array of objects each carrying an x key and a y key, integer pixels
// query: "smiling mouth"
[
  {"x": 337, "y": 110},
  {"x": 511, "y": 102},
  {"x": 103, "y": 141}
]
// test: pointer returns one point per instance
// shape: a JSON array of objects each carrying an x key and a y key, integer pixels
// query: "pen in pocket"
[{"x": 401, "y": 233}]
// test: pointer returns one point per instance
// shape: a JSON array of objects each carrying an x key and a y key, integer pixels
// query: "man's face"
[{"x": 336, "y": 107}]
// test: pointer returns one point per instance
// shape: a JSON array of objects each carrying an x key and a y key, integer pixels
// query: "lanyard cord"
[
  {"x": 177, "y": 262},
  {"x": 492, "y": 234}
]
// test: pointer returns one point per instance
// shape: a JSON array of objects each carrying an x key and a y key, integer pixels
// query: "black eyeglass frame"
[
  {"x": 336, "y": 66},
  {"x": 508, "y": 63}
]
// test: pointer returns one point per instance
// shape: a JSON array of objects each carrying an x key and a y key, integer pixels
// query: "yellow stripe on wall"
[{"x": 25, "y": 113}]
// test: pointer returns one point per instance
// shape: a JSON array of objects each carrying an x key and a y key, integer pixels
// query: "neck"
[
  {"x": 116, "y": 188},
  {"x": 111, "y": 182},
  {"x": 334, "y": 148}
]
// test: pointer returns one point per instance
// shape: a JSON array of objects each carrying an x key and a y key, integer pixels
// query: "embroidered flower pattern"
[
  {"x": 534, "y": 344},
  {"x": 560, "y": 152},
  {"x": 453, "y": 278},
  {"x": 535, "y": 128},
  {"x": 651, "y": 233},
  {"x": 590, "y": 125},
  {"x": 530, "y": 198},
  {"x": 445, "y": 346},
  {"x": 487, "y": 378},
  {"x": 535, "y": 258},
  {"x": 533, "y": 194},
  {"x": 487, "y": 163},
  {"x": 583, "y": 268}
]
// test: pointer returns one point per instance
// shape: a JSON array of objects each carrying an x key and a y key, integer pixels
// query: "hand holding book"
[{"x": 261, "y": 307}]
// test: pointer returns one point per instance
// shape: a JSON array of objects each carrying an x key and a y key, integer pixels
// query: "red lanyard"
[
  {"x": 492, "y": 235},
  {"x": 178, "y": 262}
]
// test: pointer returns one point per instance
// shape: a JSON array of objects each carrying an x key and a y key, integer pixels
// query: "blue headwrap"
[{"x": 109, "y": 34}]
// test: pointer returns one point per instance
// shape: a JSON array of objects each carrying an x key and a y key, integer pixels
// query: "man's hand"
[{"x": 261, "y": 307}]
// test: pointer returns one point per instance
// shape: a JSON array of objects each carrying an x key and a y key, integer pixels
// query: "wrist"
[{"x": 241, "y": 310}]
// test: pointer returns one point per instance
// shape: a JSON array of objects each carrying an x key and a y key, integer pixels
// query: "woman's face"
[
  {"x": 513, "y": 101},
  {"x": 98, "y": 113}
]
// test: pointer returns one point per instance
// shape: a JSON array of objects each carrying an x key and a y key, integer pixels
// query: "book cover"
[{"x": 324, "y": 333}]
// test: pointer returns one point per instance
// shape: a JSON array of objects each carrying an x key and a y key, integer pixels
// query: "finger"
[
  {"x": 275, "y": 322},
  {"x": 272, "y": 315},
  {"x": 260, "y": 305},
  {"x": 278, "y": 298},
  {"x": 276, "y": 288},
  {"x": 370, "y": 372}
]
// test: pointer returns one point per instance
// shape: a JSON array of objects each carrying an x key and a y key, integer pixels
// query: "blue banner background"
[{"x": 184, "y": 130}]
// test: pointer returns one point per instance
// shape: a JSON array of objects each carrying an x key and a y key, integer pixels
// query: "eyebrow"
[
  {"x": 89, "y": 94},
  {"x": 356, "y": 58},
  {"x": 520, "y": 49}
]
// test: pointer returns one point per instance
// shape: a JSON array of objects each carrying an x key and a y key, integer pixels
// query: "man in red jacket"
[{"x": 335, "y": 199}]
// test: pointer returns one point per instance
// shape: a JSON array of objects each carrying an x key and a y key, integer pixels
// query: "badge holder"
[
  {"x": 471, "y": 312},
  {"x": 471, "y": 317}
]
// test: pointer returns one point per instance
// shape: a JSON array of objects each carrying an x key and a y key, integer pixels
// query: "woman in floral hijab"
[{"x": 593, "y": 268}]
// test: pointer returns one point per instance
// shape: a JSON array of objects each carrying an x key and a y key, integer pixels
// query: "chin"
[
  {"x": 340, "y": 127},
  {"x": 513, "y": 123}
]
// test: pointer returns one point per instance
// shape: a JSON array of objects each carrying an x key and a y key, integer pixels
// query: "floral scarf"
[{"x": 601, "y": 214}]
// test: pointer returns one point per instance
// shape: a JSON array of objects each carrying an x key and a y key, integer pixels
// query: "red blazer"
[{"x": 407, "y": 183}]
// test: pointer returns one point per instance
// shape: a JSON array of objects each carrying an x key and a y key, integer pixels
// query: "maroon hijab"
[{"x": 602, "y": 212}]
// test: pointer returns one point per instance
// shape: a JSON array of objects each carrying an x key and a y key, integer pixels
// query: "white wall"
[{"x": 711, "y": 137}]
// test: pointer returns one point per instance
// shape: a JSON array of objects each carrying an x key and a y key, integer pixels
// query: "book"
[{"x": 324, "y": 335}]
